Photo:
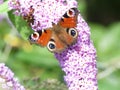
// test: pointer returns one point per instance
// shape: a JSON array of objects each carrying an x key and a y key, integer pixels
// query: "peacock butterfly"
[{"x": 61, "y": 35}]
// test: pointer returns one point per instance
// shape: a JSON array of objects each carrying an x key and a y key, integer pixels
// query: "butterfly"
[{"x": 61, "y": 35}]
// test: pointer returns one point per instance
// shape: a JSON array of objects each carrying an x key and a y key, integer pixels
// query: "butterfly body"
[{"x": 60, "y": 35}]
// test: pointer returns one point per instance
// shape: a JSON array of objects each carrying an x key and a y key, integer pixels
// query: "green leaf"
[
  {"x": 106, "y": 40},
  {"x": 109, "y": 44},
  {"x": 21, "y": 25},
  {"x": 38, "y": 56},
  {"x": 4, "y": 7},
  {"x": 110, "y": 83}
]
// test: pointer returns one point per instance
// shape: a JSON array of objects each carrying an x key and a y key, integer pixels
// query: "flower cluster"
[
  {"x": 79, "y": 60},
  {"x": 7, "y": 80},
  {"x": 41, "y": 13}
]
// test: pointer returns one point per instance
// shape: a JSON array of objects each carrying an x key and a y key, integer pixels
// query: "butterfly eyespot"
[
  {"x": 73, "y": 32},
  {"x": 51, "y": 46},
  {"x": 71, "y": 13},
  {"x": 34, "y": 36}
]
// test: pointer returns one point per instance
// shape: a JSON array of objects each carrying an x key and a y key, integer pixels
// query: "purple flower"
[
  {"x": 79, "y": 60},
  {"x": 1, "y": 1},
  {"x": 7, "y": 80},
  {"x": 42, "y": 12}
]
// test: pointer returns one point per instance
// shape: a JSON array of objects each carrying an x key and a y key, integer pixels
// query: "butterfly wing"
[
  {"x": 60, "y": 36},
  {"x": 44, "y": 38},
  {"x": 69, "y": 19},
  {"x": 64, "y": 33},
  {"x": 41, "y": 37},
  {"x": 55, "y": 44}
]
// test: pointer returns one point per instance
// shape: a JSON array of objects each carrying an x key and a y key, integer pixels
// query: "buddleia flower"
[
  {"x": 7, "y": 79},
  {"x": 78, "y": 61}
]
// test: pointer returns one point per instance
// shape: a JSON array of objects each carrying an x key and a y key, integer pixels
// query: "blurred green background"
[{"x": 33, "y": 64}]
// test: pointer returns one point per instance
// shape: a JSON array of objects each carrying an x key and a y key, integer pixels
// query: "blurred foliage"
[
  {"x": 48, "y": 84},
  {"x": 106, "y": 41},
  {"x": 103, "y": 11},
  {"x": 23, "y": 27},
  {"x": 31, "y": 61}
]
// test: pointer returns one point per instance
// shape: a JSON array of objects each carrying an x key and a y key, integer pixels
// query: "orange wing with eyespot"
[
  {"x": 60, "y": 36},
  {"x": 44, "y": 38},
  {"x": 64, "y": 33},
  {"x": 69, "y": 19}
]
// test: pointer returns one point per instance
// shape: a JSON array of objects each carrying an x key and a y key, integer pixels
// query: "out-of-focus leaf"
[
  {"x": 109, "y": 45},
  {"x": 49, "y": 84},
  {"x": 82, "y": 7},
  {"x": 38, "y": 56},
  {"x": 110, "y": 83},
  {"x": 4, "y": 7},
  {"x": 106, "y": 40},
  {"x": 21, "y": 25},
  {"x": 97, "y": 32},
  {"x": 4, "y": 29}
]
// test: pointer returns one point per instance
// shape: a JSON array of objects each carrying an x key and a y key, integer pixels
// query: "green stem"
[{"x": 4, "y": 7}]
